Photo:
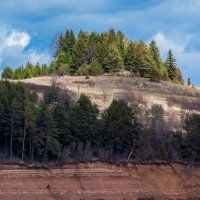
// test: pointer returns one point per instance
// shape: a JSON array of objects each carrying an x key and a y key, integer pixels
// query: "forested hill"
[
  {"x": 97, "y": 53},
  {"x": 58, "y": 128}
]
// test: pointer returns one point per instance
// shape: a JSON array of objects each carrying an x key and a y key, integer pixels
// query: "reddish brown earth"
[{"x": 98, "y": 181}]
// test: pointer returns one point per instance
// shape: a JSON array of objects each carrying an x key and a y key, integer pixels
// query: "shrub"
[
  {"x": 96, "y": 68},
  {"x": 84, "y": 70},
  {"x": 64, "y": 69}
]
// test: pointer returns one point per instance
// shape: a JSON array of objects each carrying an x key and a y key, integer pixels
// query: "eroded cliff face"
[
  {"x": 100, "y": 181},
  {"x": 176, "y": 100}
]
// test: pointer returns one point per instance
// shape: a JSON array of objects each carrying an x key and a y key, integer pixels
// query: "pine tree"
[
  {"x": 16, "y": 126},
  {"x": 61, "y": 119},
  {"x": 7, "y": 73},
  {"x": 191, "y": 143},
  {"x": 121, "y": 44},
  {"x": 30, "y": 113},
  {"x": 171, "y": 65},
  {"x": 69, "y": 42},
  {"x": 139, "y": 60},
  {"x": 189, "y": 82},
  {"x": 120, "y": 126},
  {"x": 145, "y": 60},
  {"x": 155, "y": 53},
  {"x": 92, "y": 46},
  {"x": 102, "y": 51},
  {"x": 95, "y": 68},
  {"x": 46, "y": 139},
  {"x": 114, "y": 62},
  {"x": 83, "y": 118},
  {"x": 80, "y": 50},
  {"x": 112, "y": 37},
  {"x": 72, "y": 41},
  {"x": 130, "y": 58}
]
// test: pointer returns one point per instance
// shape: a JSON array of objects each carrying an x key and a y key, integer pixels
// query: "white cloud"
[
  {"x": 17, "y": 38},
  {"x": 13, "y": 50},
  {"x": 165, "y": 44}
]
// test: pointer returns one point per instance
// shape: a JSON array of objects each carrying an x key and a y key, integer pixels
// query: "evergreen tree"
[
  {"x": 130, "y": 58},
  {"x": 30, "y": 114},
  {"x": 7, "y": 73},
  {"x": 69, "y": 42},
  {"x": 189, "y": 82},
  {"x": 171, "y": 65},
  {"x": 191, "y": 143},
  {"x": 139, "y": 60},
  {"x": 96, "y": 68},
  {"x": 63, "y": 59},
  {"x": 55, "y": 45},
  {"x": 92, "y": 45},
  {"x": 112, "y": 37},
  {"x": 83, "y": 118},
  {"x": 46, "y": 139},
  {"x": 80, "y": 50},
  {"x": 102, "y": 51},
  {"x": 16, "y": 127},
  {"x": 61, "y": 119},
  {"x": 121, "y": 44},
  {"x": 155, "y": 53},
  {"x": 114, "y": 62},
  {"x": 72, "y": 41},
  {"x": 120, "y": 127}
]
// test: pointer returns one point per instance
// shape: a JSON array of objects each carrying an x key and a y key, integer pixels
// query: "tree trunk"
[
  {"x": 30, "y": 146},
  {"x": 24, "y": 140},
  {"x": 11, "y": 138}
]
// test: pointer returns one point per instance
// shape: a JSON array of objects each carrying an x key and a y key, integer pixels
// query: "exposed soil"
[{"x": 100, "y": 181}]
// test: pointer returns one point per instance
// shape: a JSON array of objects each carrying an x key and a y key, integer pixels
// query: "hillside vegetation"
[
  {"x": 94, "y": 54},
  {"x": 59, "y": 129},
  {"x": 108, "y": 118}
]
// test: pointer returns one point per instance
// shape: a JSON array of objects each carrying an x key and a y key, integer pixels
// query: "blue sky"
[{"x": 28, "y": 26}]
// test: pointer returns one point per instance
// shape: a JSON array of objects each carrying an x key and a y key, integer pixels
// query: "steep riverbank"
[{"x": 94, "y": 181}]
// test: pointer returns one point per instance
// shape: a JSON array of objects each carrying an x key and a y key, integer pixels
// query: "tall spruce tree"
[
  {"x": 61, "y": 119},
  {"x": 102, "y": 51},
  {"x": 92, "y": 45},
  {"x": 46, "y": 139},
  {"x": 69, "y": 41},
  {"x": 155, "y": 53},
  {"x": 139, "y": 59},
  {"x": 114, "y": 61},
  {"x": 80, "y": 50},
  {"x": 171, "y": 65},
  {"x": 112, "y": 37},
  {"x": 120, "y": 127},
  {"x": 130, "y": 58},
  {"x": 121, "y": 44},
  {"x": 83, "y": 118},
  {"x": 191, "y": 143}
]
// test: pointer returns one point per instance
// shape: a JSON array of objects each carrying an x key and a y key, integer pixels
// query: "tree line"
[
  {"x": 95, "y": 54},
  {"x": 57, "y": 129}
]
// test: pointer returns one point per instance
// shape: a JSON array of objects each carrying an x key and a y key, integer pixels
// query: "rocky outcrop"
[{"x": 100, "y": 181}]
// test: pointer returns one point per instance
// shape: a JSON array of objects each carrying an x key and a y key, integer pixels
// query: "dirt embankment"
[{"x": 100, "y": 181}]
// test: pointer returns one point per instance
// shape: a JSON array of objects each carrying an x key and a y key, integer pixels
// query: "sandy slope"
[{"x": 176, "y": 100}]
